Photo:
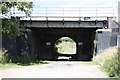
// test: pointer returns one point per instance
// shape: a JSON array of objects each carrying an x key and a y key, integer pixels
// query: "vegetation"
[
  {"x": 109, "y": 62},
  {"x": 2, "y": 56},
  {"x": 9, "y": 26},
  {"x": 6, "y": 6},
  {"x": 8, "y": 66},
  {"x": 111, "y": 65},
  {"x": 12, "y": 28},
  {"x": 65, "y": 45},
  {"x": 7, "y": 61}
]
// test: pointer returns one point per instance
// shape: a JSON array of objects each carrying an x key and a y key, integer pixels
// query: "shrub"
[
  {"x": 111, "y": 65},
  {"x": 100, "y": 58},
  {"x": 20, "y": 59},
  {"x": 3, "y": 56}
]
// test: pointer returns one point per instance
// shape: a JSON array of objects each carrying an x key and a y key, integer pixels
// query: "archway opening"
[{"x": 65, "y": 48}]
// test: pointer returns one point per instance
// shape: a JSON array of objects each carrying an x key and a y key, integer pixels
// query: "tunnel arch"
[
  {"x": 43, "y": 41},
  {"x": 65, "y": 47}
]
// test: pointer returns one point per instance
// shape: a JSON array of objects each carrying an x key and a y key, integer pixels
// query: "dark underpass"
[
  {"x": 45, "y": 34},
  {"x": 41, "y": 37},
  {"x": 43, "y": 41}
]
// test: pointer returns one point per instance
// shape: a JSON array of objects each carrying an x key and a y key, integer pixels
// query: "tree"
[
  {"x": 5, "y": 7},
  {"x": 8, "y": 26}
]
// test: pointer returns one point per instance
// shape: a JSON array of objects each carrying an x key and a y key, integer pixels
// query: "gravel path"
[{"x": 60, "y": 69}]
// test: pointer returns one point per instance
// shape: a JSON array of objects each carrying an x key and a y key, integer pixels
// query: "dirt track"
[{"x": 60, "y": 69}]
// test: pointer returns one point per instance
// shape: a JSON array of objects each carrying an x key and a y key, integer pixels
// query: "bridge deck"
[
  {"x": 66, "y": 21},
  {"x": 64, "y": 24},
  {"x": 66, "y": 17}
]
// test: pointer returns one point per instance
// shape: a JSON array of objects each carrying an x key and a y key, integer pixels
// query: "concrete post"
[
  {"x": 119, "y": 15},
  {"x": 119, "y": 11},
  {"x": 0, "y": 33},
  {"x": 118, "y": 42},
  {"x": 110, "y": 22}
]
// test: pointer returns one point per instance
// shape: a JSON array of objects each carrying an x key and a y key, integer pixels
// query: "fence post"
[
  {"x": 118, "y": 41},
  {"x": 118, "y": 38},
  {"x": 79, "y": 12},
  {"x": 0, "y": 33},
  {"x": 46, "y": 12},
  {"x": 63, "y": 12},
  {"x": 96, "y": 13},
  {"x": 119, "y": 11}
]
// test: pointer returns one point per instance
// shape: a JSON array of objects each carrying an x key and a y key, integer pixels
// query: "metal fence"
[{"x": 69, "y": 11}]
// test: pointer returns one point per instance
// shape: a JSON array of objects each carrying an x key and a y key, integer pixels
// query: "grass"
[
  {"x": 16, "y": 61},
  {"x": 111, "y": 66},
  {"x": 109, "y": 62},
  {"x": 8, "y": 66},
  {"x": 103, "y": 56},
  {"x": 14, "y": 65}
]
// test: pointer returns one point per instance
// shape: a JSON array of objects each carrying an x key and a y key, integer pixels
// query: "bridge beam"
[{"x": 66, "y": 24}]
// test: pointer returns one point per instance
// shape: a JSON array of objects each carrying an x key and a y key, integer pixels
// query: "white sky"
[
  {"x": 76, "y": 3},
  {"x": 73, "y": 4},
  {"x": 40, "y": 4}
]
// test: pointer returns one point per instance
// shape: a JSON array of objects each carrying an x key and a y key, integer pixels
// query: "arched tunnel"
[{"x": 44, "y": 39}]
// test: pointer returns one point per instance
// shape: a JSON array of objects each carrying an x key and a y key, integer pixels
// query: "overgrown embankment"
[{"x": 109, "y": 61}]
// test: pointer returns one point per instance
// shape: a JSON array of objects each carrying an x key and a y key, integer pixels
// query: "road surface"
[{"x": 56, "y": 69}]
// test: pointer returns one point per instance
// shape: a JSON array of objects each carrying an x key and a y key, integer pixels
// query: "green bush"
[
  {"x": 3, "y": 56},
  {"x": 111, "y": 65},
  {"x": 19, "y": 59}
]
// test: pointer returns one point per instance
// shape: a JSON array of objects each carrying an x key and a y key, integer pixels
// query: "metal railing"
[
  {"x": 74, "y": 11},
  {"x": 70, "y": 12}
]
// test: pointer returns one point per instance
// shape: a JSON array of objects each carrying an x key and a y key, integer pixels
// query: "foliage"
[
  {"x": 65, "y": 45},
  {"x": 111, "y": 66},
  {"x": 5, "y": 6},
  {"x": 3, "y": 56},
  {"x": 10, "y": 28},
  {"x": 100, "y": 58},
  {"x": 17, "y": 59}
]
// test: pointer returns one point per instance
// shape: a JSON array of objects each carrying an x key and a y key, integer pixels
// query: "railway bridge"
[
  {"x": 44, "y": 28},
  {"x": 45, "y": 33}
]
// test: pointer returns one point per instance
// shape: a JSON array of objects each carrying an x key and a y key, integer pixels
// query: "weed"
[{"x": 111, "y": 65}]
